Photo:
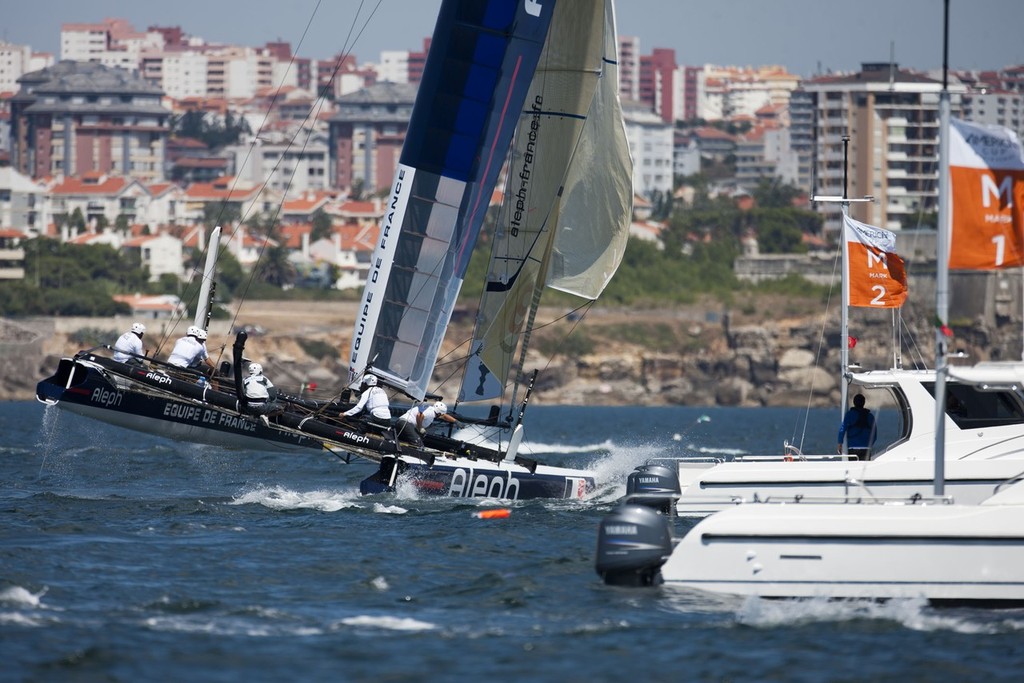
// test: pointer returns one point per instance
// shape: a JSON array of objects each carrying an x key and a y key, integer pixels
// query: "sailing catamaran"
[
  {"x": 539, "y": 78},
  {"x": 563, "y": 224}
]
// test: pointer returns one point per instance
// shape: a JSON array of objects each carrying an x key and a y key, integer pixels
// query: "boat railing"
[{"x": 915, "y": 499}]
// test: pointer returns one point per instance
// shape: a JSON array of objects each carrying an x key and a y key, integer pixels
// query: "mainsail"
[
  {"x": 565, "y": 219},
  {"x": 482, "y": 58}
]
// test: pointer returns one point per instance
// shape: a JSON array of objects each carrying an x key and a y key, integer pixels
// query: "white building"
[
  {"x": 113, "y": 43},
  {"x": 161, "y": 254},
  {"x": 23, "y": 203},
  {"x": 286, "y": 167},
  {"x": 180, "y": 74},
  {"x": 651, "y": 146},
  {"x": 16, "y": 60},
  {"x": 394, "y": 66},
  {"x": 725, "y": 92}
]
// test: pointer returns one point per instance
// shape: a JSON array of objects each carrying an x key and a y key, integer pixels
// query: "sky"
[{"x": 806, "y": 36}]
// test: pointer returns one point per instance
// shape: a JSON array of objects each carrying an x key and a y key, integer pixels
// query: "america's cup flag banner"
[
  {"x": 877, "y": 275},
  {"x": 986, "y": 175}
]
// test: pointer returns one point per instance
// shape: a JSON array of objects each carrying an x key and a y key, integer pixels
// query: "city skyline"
[{"x": 801, "y": 35}]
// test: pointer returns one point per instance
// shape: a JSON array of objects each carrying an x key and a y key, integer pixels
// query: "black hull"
[
  {"x": 151, "y": 401},
  {"x": 90, "y": 392}
]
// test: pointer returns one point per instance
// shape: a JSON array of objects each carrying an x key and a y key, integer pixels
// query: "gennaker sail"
[{"x": 568, "y": 201}]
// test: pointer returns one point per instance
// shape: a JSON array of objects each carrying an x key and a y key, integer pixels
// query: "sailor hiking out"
[
  {"x": 374, "y": 402},
  {"x": 128, "y": 347},
  {"x": 414, "y": 422},
  {"x": 261, "y": 394}
]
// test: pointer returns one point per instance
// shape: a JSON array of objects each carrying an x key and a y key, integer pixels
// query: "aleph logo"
[{"x": 532, "y": 7}]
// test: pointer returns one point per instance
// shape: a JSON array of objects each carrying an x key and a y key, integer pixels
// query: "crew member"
[
  {"x": 128, "y": 347},
  {"x": 416, "y": 420},
  {"x": 190, "y": 351}
]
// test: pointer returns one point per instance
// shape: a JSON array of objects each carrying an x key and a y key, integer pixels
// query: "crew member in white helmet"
[
  {"x": 261, "y": 394},
  {"x": 416, "y": 420},
  {"x": 190, "y": 351},
  {"x": 128, "y": 348},
  {"x": 373, "y": 401}
]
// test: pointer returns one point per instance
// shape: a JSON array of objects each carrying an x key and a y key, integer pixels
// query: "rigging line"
[
  {"x": 312, "y": 113},
  {"x": 218, "y": 220},
  {"x": 821, "y": 343}
]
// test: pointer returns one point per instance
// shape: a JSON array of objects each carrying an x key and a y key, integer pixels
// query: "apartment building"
[
  {"x": 23, "y": 203},
  {"x": 16, "y": 61},
  {"x": 367, "y": 133},
  {"x": 891, "y": 118},
  {"x": 728, "y": 92},
  {"x": 77, "y": 117},
  {"x": 286, "y": 167},
  {"x": 651, "y": 146},
  {"x": 112, "y": 43}
]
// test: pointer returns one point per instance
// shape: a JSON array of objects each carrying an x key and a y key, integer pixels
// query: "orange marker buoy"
[{"x": 498, "y": 513}]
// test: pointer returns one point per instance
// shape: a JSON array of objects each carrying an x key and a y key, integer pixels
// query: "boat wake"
[
  {"x": 280, "y": 498},
  {"x": 916, "y": 615}
]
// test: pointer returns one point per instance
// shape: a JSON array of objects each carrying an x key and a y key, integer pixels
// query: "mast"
[
  {"x": 205, "y": 306},
  {"x": 942, "y": 265},
  {"x": 844, "y": 320},
  {"x": 844, "y": 324}
]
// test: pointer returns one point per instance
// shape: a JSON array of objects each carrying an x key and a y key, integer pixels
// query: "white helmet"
[
  {"x": 139, "y": 328},
  {"x": 255, "y": 369},
  {"x": 440, "y": 408},
  {"x": 370, "y": 380},
  {"x": 192, "y": 331},
  {"x": 200, "y": 334}
]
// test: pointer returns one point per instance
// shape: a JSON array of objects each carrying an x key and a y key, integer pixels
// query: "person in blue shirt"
[{"x": 858, "y": 428}]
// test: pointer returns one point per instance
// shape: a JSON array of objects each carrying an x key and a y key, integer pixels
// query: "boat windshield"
[{"x": 971, "y": 407}]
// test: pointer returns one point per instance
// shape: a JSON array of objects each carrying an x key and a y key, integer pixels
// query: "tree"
[
  {"x": 275, "y": 268},
  {"x": 121, "y": 222},
  {"x": 321, "y": 225},
  {"x": 223, "y": 213},
  {"x": 77, "y": 221},
  {"x": 773, "y": 193}
]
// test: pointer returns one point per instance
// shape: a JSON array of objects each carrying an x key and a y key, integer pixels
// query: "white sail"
[
  {"x": 593, "y": 226},
  {"x": 550, "y": 128}
]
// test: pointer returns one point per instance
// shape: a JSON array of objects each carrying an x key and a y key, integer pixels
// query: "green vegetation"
[
  {"x": 318, "y": 349},
  {"x": 701, "y": 242},
  {"x": 202, "y": 126},
  {"x": 64, "y": 279}
]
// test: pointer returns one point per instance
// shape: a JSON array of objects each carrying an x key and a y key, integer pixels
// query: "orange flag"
[
  {"x": 877, "y": 276},
  {"x": 986, "y": 177}
]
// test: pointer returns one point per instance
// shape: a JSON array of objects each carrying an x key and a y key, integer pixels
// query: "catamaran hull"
[
  {"x": 85, "y": 389},
  {"x": 942, "y": 553},
  {"x": 465, "y": 478},
  {"x": 151, "y": 402}
]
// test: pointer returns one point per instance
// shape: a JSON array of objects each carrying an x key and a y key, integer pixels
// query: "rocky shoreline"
[{"x": 682, "y": 356}]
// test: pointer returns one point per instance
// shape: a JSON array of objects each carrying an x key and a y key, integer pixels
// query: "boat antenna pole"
[
  {"x": 844, "y": 325},
  {"x": 942, "y": 265}
]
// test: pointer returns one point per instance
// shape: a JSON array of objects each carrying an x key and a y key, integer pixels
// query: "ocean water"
[{"x": 125, "y": 557}]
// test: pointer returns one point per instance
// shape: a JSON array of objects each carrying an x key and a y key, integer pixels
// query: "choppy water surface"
[{"x": 125, "y": 557}]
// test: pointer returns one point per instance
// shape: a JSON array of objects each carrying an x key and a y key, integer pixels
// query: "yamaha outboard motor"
[
  {"x": 656, "y": 486},
  {"x": 633, "y": 542}
]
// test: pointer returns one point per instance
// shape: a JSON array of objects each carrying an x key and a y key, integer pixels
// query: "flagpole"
[
  {"x": 942, "y": 243},
  {"x": 844, "y": 325},
  {"x": 844, "y": 322}
]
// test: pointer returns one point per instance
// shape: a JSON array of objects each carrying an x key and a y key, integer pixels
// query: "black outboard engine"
[
  {"x": 656, "y": 486},
  {"x": 633, "y": 542}
]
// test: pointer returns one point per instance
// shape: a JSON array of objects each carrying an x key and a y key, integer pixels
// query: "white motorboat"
[
  {"x": 984, "y": 436},
  {"x": 935, "y": 547},
  {"x": 942, "y": 552}
]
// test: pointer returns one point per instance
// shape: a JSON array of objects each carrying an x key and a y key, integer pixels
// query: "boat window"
[
  {"x": 893, "y": 419},
  {"x": 971, "y": 408}
]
